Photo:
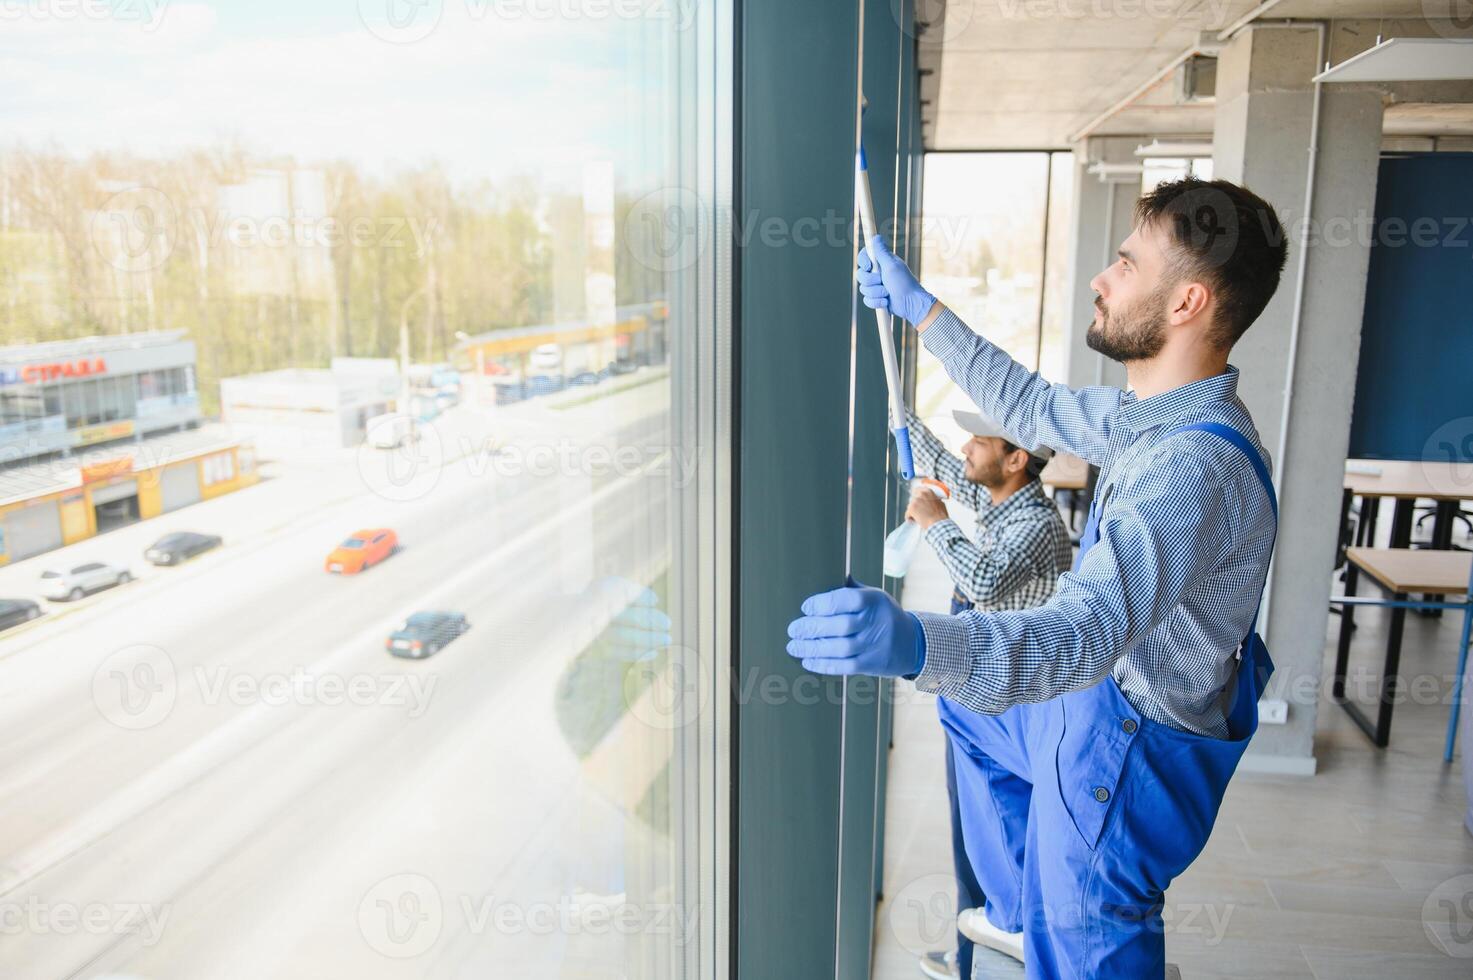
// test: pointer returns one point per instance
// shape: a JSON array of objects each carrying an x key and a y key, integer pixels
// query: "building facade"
[
  {"x": 309, "y": 410},
  {"x": 63, "y": 396},
  {"x": 101, "y": 432}
]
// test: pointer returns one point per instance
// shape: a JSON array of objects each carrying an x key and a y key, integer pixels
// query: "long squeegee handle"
[
  {"x": 902, "y": 446},
  {"x": 898, "y": 424}
]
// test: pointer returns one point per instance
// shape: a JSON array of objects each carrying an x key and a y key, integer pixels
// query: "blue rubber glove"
[
  {"x": 857, "y": 630},
  {"x": 638, "y": 628},
  {"x": 893, "y": 287}
]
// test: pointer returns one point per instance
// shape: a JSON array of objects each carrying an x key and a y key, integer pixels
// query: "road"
[{"x": 219, "y": 772}]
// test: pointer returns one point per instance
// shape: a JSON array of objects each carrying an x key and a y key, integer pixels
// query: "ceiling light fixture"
[
  {"x": 1156, "y": 148},
  {"x": 1406, "y": 59}
]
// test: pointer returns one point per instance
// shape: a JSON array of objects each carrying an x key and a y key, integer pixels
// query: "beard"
[
  {"x": 1132, "y": 333},
  {"x": 986, "y": 474}
]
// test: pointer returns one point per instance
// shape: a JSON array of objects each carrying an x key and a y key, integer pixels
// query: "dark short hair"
[
  {"x": 1225, "y": 236},
  {"x": 1035, "y": 463}
]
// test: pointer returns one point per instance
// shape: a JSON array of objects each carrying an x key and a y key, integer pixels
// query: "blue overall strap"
[{"x": 1237, "y": 438}]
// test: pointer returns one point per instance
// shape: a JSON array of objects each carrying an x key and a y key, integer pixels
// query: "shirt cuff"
[
  {"x": 948, "y": 336},
  {"x": 947, "y": 666},
  {"x": 941, "y": 532}
]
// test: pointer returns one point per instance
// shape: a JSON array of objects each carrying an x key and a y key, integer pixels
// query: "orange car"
[{"x": 363, "y": 548}]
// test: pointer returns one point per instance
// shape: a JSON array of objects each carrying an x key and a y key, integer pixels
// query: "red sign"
[
  {"x": 107, "y": 469},
  {"x": 83, "y": 368}
]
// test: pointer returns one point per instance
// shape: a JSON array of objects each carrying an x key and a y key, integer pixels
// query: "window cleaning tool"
[{"x": 882, "y": 317}]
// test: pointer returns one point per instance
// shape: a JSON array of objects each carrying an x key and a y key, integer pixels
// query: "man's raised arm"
[{"x": 1035, "y": 412}]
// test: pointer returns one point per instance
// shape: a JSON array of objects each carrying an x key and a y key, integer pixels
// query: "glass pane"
[
  {"x": 982, "y": 255},
  {"x": 1056, "y": 303},
  {"x": 492, "y": 229},
  {"x": 1161, "y": 169}
]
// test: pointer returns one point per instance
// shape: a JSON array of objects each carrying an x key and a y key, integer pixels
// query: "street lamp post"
[
  {"x": 480, "y": 356},
  {"x": 404, "y": 349}
]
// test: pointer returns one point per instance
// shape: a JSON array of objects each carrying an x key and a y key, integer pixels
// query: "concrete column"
[
  {"x": 1102, "y": 220},
  {"x": 1264, "y": 106}
]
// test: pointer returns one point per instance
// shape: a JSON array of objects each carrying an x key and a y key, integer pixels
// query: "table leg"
[
  {"x": 1347, "y": 625},
  {"x": 1401, "y": 522},
  {"x": 1365, "y": 528},
  {"x": 1342, "y": 534},
  {"x": 1389, "y": 672},
  {"x": 1379, "y": 731},
  {"x": 1442, "y": 525}
]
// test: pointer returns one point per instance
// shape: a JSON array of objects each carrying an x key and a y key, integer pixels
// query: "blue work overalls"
[
  {"x": 1078, "y": 812},
  {"x": 969, "y": 893}
]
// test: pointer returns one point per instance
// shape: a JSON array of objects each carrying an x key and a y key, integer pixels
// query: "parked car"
[
  {"x": 424, "y": 634},
  {"x": 76, "y": 582},
  {"x": 546, "y": 357},
  {"x": 13, "y": 612},
  {"x": 179, "y": 547},
  {"x": 363, "y": 548}
]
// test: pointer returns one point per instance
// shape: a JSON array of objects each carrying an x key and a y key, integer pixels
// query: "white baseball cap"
[{"x": 980, "y": 425}]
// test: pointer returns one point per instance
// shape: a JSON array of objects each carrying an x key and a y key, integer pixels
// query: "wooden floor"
[{"x": 1339, "y": 876}]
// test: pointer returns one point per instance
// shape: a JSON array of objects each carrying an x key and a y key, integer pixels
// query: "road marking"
[{"x": 255, "y": 722}]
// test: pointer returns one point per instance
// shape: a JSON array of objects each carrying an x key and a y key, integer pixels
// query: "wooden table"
[
  {"x": 1066, "y": 472},
  {"x": 1406, "y": 482},
  {"x": 1399, "y": 571}
]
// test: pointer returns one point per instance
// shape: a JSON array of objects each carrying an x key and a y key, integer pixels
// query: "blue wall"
[{"x": 1414, "y": 388}]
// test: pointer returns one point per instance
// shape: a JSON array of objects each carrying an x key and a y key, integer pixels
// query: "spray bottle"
[{"x": 901, "y": 543}]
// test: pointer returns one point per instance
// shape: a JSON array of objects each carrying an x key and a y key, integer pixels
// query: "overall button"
[
  {"x": 1102, "y": 794},
  {"x": 1129, "y": 726}
]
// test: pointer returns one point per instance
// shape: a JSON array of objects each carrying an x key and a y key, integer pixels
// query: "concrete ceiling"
[{"x": 1030, "y": 74}]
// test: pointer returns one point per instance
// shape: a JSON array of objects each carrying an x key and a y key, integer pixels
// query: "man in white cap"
[
  {"x": 1022, "y": 545},
  {"x": 1020, "y": 550}
]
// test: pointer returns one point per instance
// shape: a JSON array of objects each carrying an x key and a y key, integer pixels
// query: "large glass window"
[
  {"x": 164, "y": 383},
  {"x": 1160, "y": 169},
  {"x": 994, "y": 248},
  {"x": 20, "y": 403},
  {"x": 74, "y": 402},
  {"x": 117, "y": 398},
  {"x": 486, "y": 746}
]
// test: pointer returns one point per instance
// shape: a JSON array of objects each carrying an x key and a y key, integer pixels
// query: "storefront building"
[
  {"x": 60, "y": 501},
  {"x": 62, "y": 396},
  {"x": 101, "y": 432}
]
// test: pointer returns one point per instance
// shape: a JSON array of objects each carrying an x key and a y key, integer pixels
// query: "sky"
[
  {"x": 969, "y": 196},
  {"x": 489, "y": 88}
]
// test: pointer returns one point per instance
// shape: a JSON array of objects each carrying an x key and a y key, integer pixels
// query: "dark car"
[
  {"x": 13, "y": 612},
  {"x": 424, "y": 633},
  {"x": 173, "y": 549}
]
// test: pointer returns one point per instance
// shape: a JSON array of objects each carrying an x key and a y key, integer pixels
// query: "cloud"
[{"x": 487, "y": 95}]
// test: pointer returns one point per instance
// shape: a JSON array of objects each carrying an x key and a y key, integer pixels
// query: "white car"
[
  {"x": 546, "y": 357},
  {"x": 79, "y": 581}
]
